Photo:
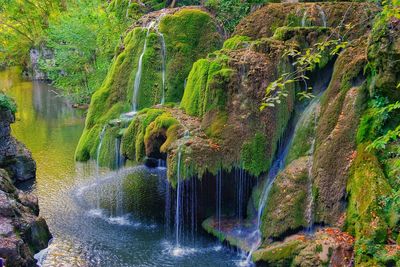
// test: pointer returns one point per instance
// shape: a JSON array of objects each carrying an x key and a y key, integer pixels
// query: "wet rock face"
[
  {"x": 285, "y": 210},
  {"x": 22, "y": 232},
  {"x": 14, "y": 157},
  {"x": 340, "y": 114}
]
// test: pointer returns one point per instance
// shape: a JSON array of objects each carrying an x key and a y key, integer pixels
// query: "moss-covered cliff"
[{"x": 188, "y": 33}]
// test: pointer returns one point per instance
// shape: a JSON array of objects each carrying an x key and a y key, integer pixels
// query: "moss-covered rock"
[
  {"x": 265, "y": 21},
  {"x": 384, "y": 57},
  {"x": 280, "y": 255},
  {"x": 189, "y": 34},
  {"x": 341, "y": 108},
  {"x": 149, "y": 134},
  {"x": 287, "y": 201},
  {"x": 367, "y": 187}
]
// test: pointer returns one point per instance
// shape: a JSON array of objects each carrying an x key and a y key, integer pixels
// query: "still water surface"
[{"x": 106, "y": 219}]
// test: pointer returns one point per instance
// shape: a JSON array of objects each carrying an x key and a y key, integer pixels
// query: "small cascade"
[
  {"x": 243, "y": 190},
  {"x": 180, "y": 188},
  {"x": 304, "y": 19},
  {"x": 162, "y": 164},
  {"x": 277, "y": 165},
  {"x": 119, "y": 158},
  {"x": 101, "y": 137},
  {"x": 193, "y": 208},
  {"x": 138, "y": 75},
  {"x": 310, "y": 204},
  {"x": 178, "y": 211},
  {"x": 163, "y": 65},
  {"x": 322, "y": 15},
  {"x": 167, "y": 209},
  {"x": 218, "y": 198},
  {"x": 119, "y": 209}
]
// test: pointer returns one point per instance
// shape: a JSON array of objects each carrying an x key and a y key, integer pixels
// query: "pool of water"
[{"x": 97, "y": 217}]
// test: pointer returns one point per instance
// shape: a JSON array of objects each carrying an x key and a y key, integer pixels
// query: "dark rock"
[
  {"x": 22, "y": 232},
  {"x": 14, "y": 156}
]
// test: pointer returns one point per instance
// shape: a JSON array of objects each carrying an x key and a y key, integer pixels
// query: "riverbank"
[{"x": 23, "y": 232}]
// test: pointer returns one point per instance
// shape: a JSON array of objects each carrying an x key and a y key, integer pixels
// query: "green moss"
[
  {"x": 286, "y": 204},
  {"x": 207, "y": 86},
  {"x": 237, "y": 42},
  {"x": 137, "y": 140},
  {"x": 7, "y": 103},
  {"x": 253, "y": 155},
  {"x": 365, "y": 214},
  {"x": 163, "y": 124},
  {"x": 304, "y": 135},
  {"x": 190, "y": 34},
  {"x": 280, "y": 255},
  {"x": 217, "y": 125}
]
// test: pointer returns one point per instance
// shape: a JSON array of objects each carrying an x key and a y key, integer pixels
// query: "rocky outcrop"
[
  {"x": 36, "y": 55},
  {"x": 340, "y": 114},
  {"x": 22, "y": 232},
  {"x": 14, "y": 157}
]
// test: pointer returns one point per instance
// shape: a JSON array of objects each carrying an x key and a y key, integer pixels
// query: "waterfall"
[
  {"x": 218, "y": 197},
  {"x": 179, "y": 196},
  {"x": 193, "y": 200},
  {"x": 138, "y": 75},
  {"x": 276, "y": 167},
  {"x": 167, "y": 208},
  {"x": 323, "y": 16},
  {"x": 178, "y": 201},
  {"x": 310, "y": 205},
  {"x": 119, "y": 158},
  {"x": 304, "y": 19},
  {"x": 101, "y": 137},
  {"x": 163, "y": 65},
  {"x": 241, "y": 190}
]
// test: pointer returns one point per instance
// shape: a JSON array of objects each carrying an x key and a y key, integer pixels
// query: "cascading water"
[
  {"x": 277, "y": 166},
  {"x": 218, "y": 197},
  {"x": 119, "y": 158},
  {"x": 138, "y": 75},
  {"x": 304, "y": 19},
  {"x": 323, "y": 16},
  {"x": 178, "y": 201},
  {"x": 101, "y": 137},
  {"x": 314, "y": 106},
  {"x": 163, "y": 65}
]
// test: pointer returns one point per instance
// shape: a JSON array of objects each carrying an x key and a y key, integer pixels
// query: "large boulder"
[
  {"x": 14, "y": 157},
  {"x": 23, "y": 233}
]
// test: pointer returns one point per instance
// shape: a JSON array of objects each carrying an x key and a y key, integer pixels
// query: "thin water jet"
[{"x": 138, "y": 75}]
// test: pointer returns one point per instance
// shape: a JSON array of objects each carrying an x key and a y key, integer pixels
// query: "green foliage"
[
  {"x": 304, "y": 61},
  {"x": 230, "y": 12},
  {"x": 22, "y": 25},
  {"x": 253, "y": 155},
  {"x": 7, "y": 102},
  {"x": 83, "y": 41}
]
